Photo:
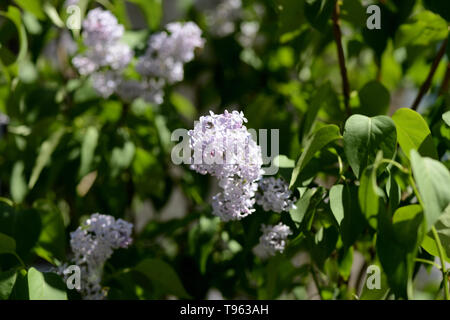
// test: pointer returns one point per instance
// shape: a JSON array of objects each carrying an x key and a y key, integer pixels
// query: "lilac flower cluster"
[
  {"x": 224, "y": 148},
  {"x": 274, "y": 195},
  {"x": 92, "y": 244},
  {"x": 221, "y": 21},
  {"x": 105, "y": 55},
  {"x": 273, "y": 240},
  {"x": 166, "y": 55}
]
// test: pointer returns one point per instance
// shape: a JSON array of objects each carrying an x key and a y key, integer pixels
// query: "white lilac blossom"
[
  {"x": 101, "y": 28},
  {"x": 153, "y": 91},
  {"x": 167, "y": 52},
  {"x": 272, "y": 240},
  {"x": 106, "y": 57},
  {"x": 104, "y": 53},
  {"x": 224, "y": 148},
  {"x": 221, "y": 21},
  {"x": 274, "y": 195},
  {"x": 105, "y": 83},
  {"x": 92, "y": 244},
  {"x": 248, "y": 33},
  {"x": 235, "y": 201}
]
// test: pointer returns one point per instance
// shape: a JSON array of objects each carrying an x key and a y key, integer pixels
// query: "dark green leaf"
[
  {"x": 345, "y": 207},
  {"x": 7, "y": 244},
  {"x": 88, "y": 146},
  {"x": 374, "y": 99},
  {"x": 364, "y": 137},
  {"x": 397, "y": 246},
  {"x": 162, "y": 275},
  {"x": 45, "y": 153},
  {"x": 369, "y": 195},
  {"x": 315, "y": 143}
]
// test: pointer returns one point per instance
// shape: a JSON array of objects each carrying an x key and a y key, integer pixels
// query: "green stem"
[
  {"x": 395, "y": 163},
  {"x": 432, "y": 263},
  {"x": 20, "y": 260},
  {"x": 441, "y": 256}
]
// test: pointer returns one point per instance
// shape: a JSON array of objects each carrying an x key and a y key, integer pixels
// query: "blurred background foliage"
[{"x": 65, "y": 152}]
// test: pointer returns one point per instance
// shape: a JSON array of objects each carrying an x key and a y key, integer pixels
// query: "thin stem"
[
  {"x": 20, "y": 260},
  {"x": 396, "y": 164},
  {"x": 340, "y": 50},
  {"x": 432, "y": 263},
  {"x": 441, "y": 256},
  {"x": 316, "y": 282},
  {"x": 426, "y": 85}
]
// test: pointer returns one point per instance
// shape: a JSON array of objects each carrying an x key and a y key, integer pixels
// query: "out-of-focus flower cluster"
[
  {"x": 166, "y": 55},
  {"x": 272, "y": 240},
  {"x": 92, "y": 244},
  {"x": 274, "y": 195},
  {"x": 224, "y": 148},
  {"x": 106, "y": 57},
  {"x": 221, "y": 20}
]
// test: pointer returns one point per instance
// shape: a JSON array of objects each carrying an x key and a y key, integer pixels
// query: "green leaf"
[
  {"x": 374, "y": 293},
  {"x": 364, "y": 137},
  {"x": 88, "y": 146},
  {"x": 183, "y": 106},
  {"x": 51, "y": 242},
  {"x": 7, "y": 281},
  {"x": 24, "y": 226},
  {"x": 337, "y": 202},
  {"x": 27, "y": 71},
  {"x": 424, "y": 29},
  {"x": 281, "y": 161},
  {"x": 313, "y": 144},
  {"x": 7, "y": 244},
  {"x": 14, "y": 15},
  {"x": 322, "y": 244},
  {"x": 369, "y": 195},
  {"x": 432, "y": 179},
  {"x": 152, "y": 10},
  {"x": 121, "y": 158},
  {"x": 33, "y": 6},
  {"x": 318, "y": 13},
  {"x": 374, "y": 99},
  {"x": 324, "y": 98},
  {"x": 413, "y": 133},
  {"x": 53, "y": 14},
  {"x": 45, "y": 153},
  {"x": 443, "y": 230},
  {"x": 345, "y": 208},
  {"x": 301, "y": 207},
  {"x": 19, "y": 188},
  {"x": 290, "y": 15},
  {"x": 135, "y": 38},
  {"x": 163, "y": 276},
  {"x": 446, "y": 118},
  {"x": 397, "y": 246},
  {"x": 45, "y": 286}
]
